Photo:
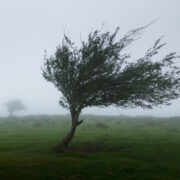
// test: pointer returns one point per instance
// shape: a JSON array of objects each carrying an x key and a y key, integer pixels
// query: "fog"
[{"x": 30, "y": 27}]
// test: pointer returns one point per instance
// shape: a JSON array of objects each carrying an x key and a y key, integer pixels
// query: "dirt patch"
[{"x": 88, "y": 147}]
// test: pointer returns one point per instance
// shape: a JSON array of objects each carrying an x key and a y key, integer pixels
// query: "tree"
[
  {"x": 101, "y": 73},
  {"x": 14, "y": 105}
]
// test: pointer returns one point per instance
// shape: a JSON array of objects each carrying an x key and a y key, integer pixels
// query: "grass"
[{"x": 128, "y": 148}]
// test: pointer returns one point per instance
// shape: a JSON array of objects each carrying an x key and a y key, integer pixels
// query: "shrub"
[{"x": 101, "y": 125}]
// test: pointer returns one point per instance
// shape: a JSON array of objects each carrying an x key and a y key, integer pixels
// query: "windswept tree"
[
  {"x": 15, "y": 105},
  {"x": 102, "y": 73}
]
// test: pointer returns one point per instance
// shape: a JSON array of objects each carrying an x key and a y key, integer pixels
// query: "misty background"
[{"x": 28, "y": 28}]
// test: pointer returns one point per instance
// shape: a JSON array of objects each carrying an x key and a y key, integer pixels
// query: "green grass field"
[{"x": 103, "y": 148}]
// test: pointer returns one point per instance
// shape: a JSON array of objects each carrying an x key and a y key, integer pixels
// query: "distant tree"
[
  {"x": 100, "y": 73},
  {"x": 14, "y": 105}
]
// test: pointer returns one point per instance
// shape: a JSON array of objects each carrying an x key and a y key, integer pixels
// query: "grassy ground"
[{"x": 103, "y": 148}]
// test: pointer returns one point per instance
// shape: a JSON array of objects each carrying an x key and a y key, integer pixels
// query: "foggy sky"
[{"x": 28, "y": 27}]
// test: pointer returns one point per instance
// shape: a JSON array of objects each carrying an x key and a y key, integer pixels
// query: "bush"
[
  {"x": 101, "y": 125},
  {"x": 38, "y": 124}
]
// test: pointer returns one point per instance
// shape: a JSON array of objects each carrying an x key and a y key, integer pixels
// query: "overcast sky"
[{"x": 28, "y": 27}]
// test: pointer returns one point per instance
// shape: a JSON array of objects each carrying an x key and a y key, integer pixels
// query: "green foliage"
[
  {"x": 15, "y": 105},
  {"x": 101, "y": 73}
]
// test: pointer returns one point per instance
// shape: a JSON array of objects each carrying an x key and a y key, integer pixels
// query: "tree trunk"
[{"x": 65, "y": 142}]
